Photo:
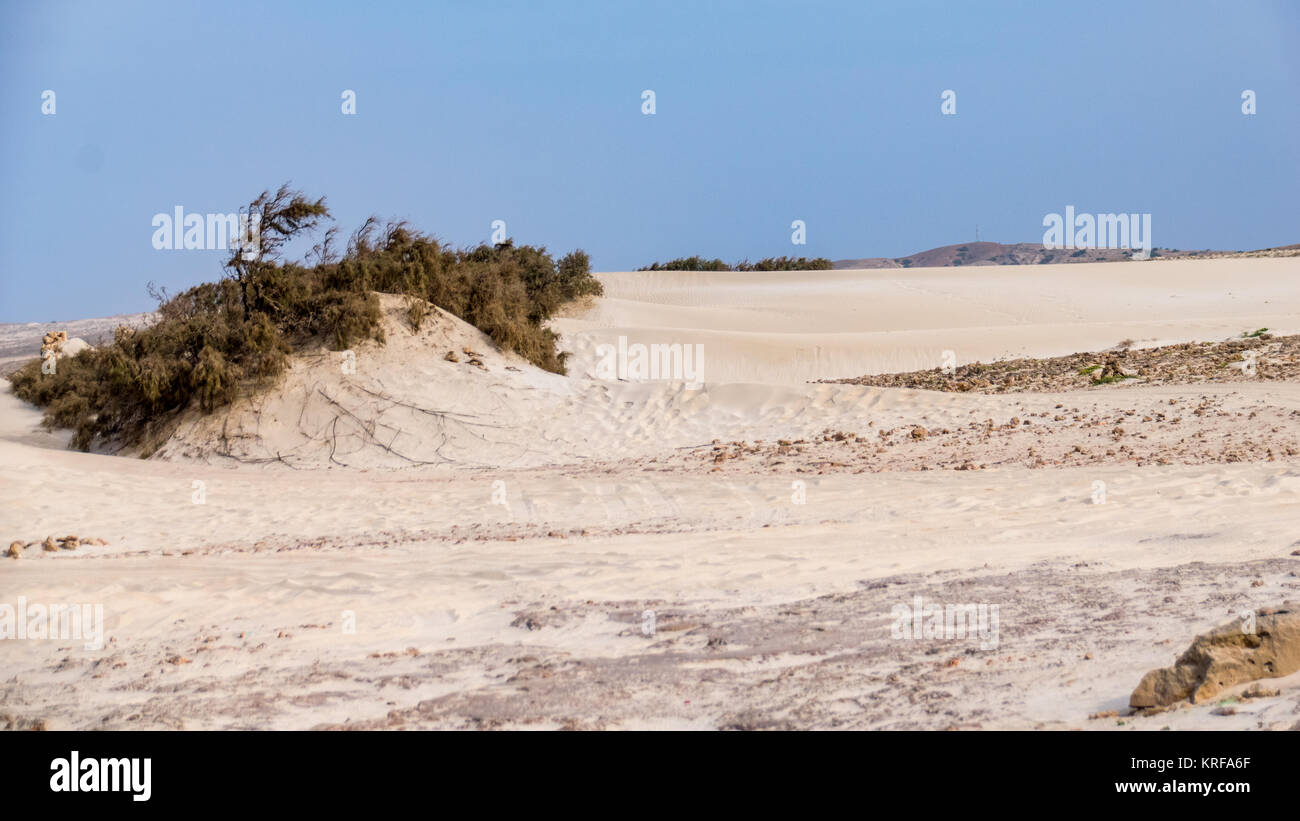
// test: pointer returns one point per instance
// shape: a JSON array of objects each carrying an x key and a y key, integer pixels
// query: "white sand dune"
[
  {"x": 796, "y": 327},
  {"x": 496, "y": 533}
]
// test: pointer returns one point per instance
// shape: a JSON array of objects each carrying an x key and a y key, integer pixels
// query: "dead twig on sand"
[{"x": 368, "y": 428}]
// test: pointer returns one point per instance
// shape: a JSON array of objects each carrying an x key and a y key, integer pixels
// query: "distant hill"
[{"x": 1029, "y": 253}]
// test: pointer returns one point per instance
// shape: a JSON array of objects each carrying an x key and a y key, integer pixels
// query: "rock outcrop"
[
  {"x": 52, "y": 343},
  {"x": 56, "y": 344},
  {"x": 1231, "y": 654}
]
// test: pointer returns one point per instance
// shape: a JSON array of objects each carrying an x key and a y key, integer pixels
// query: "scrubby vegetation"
[
  {"x": 768, "y": 264},
  {"x": 1272, "y": 359},
  {"x": 217, "y": 339},
  {"x": 785, "y": 264},
  {"x": 688, "y": 264}
]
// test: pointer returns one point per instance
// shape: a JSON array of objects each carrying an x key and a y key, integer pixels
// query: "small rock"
[{"x": 1258, "y": 690}]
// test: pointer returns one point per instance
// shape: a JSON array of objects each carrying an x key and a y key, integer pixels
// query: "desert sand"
[{"x": 402, "y": 540}]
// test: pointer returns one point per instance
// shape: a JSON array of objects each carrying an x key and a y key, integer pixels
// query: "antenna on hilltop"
[{"x": 977, "y": 233}]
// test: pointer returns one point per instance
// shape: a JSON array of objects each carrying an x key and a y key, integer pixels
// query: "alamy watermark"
[
  {"x": 77, "y": 774},
  {"x": 948, "y": 106},
  {"x": 75, "y": 622},
  {"x": 1088, "y": 231},
  {"x": 920, "y": 620},
  {"x": 1250, "y": 363},
  {"x": 209, "y": 232},
  {"x": 799, "y": 233},
  {"x": 638, "y": 362},
  {"x": 1098, "y": 492}
]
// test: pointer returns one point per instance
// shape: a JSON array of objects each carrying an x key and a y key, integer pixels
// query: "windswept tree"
[{"x": 273, "y": 220}]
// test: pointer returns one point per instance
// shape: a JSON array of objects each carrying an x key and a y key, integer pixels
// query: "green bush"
[
  {"x": 688, "y": 264},
  {"x": 768, "y": 264},
  {"x": 786, "y": 264},
  {"x": 218, "y": 339}
]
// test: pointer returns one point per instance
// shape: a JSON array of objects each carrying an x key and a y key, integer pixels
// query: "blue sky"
[{"x": 530, "y": 112}]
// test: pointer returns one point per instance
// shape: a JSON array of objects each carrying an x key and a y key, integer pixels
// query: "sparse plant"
[
  {"x": 1109, "y": 379},
  {"x": 417, "y": 310}
]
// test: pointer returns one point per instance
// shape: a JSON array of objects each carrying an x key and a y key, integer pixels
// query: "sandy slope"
[{"x": 497, "y": 532}]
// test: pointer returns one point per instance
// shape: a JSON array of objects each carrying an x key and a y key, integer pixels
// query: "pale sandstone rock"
[{"x": 1224, "y": 657}]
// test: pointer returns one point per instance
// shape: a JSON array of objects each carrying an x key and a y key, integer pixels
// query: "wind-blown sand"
[{"x": 496, "y": 534}]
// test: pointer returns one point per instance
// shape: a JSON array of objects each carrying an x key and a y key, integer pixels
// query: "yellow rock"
[{"x": 1228, "y": 655}]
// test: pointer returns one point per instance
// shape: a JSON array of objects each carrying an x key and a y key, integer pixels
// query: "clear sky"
[{"x": 531, "y": 112}]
